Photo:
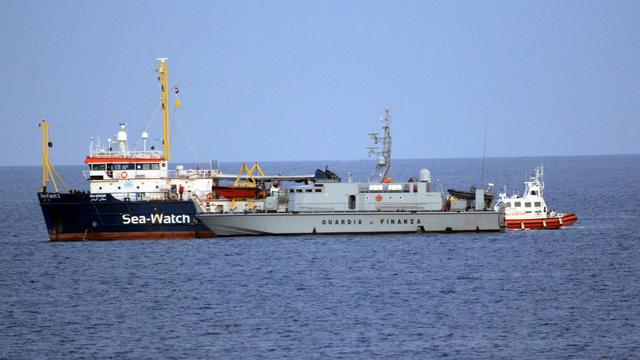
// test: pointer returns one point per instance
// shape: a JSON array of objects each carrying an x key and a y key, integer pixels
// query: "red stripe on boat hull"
[
  {"x": 132, "y": 235},
  {"x": 547, "y": 223}
]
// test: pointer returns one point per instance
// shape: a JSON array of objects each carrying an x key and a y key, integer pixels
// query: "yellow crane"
[{"x": 245, "y": 176}]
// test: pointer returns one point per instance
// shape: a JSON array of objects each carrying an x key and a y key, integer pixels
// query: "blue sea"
[{"x": 572, "y": 293}]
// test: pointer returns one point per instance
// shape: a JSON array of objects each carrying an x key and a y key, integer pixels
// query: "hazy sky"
[{"x": 302, "y": 80}]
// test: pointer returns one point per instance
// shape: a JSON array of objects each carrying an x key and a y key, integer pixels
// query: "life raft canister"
[{"x": 124, "y": 174}]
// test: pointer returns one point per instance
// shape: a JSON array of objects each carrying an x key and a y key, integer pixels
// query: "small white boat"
[{"x": 530, "y": 211}]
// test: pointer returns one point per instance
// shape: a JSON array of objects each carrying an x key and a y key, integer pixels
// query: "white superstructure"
[
  {"x": 324, "y": 205},
  {"x": 141, "y": 175},
  {"x": 531, "y": 204}
]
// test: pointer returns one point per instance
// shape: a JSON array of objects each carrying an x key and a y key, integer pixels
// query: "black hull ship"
[
  {"x": 132, "y": 193},
  {"x": 78, "y": 216}
]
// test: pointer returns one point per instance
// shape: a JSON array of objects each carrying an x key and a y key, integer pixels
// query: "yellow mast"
[
  {"x": 45, "y": 154},
  {"x": 163, "y": 77},
  {"x": 48, "y": 171}
]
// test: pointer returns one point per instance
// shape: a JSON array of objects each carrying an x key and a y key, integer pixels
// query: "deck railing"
[
  {"x": 171, "y": 174},
  {"x": 149, "y": 154}
]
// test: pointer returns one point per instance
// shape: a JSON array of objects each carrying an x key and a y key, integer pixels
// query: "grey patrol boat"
[{"x": 325, "y": 205}]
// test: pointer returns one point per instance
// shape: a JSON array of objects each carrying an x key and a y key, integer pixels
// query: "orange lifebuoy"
[
  {"x": 378, "y": 197},
  {"x": 124, "y": 174}
]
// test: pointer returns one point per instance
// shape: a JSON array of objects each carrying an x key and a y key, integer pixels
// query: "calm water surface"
[{"x": 571, "y": 293}]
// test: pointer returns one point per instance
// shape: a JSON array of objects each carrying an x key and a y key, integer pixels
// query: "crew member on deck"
[{"x": 181, "y": 191}]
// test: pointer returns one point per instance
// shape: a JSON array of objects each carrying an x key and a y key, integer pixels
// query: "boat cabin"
[
  {"x": 140, "y": 174},
  {"x": 531, "y": 205}
]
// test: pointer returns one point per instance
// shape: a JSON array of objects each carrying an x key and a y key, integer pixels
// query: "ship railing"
[
  {"x": 173, "y": 174},
  {"x": 146, "y": 196},
  {"x": 193, "y": 174},
  {"x": 151, "y": 155},
  {"x": 154, "y": 196}
]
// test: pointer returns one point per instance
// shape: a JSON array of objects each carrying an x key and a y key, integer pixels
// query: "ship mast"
[
  {"x": 383, "y": 163},
  {"x": 49, "y": 173},
  {"x": 163, "y": 77},
  {"x": 540, "y": 179}
]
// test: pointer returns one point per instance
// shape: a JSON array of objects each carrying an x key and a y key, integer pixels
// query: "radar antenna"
[{"x": 383, "y": 163}]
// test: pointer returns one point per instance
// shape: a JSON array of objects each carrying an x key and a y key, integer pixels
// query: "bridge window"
[
  {"x": 98, "y": 167},
  {"x": 155, "y": 166},
  {"x": 124, "y": 167},
  {"x": 537, "y": 204},
  {"x": 527, "y": 204},
  {"x": 144, "y": 166},
  {"x": 517, "y": 204}
]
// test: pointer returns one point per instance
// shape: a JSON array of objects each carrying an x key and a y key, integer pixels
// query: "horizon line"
[{"x": 346, "y": 160}]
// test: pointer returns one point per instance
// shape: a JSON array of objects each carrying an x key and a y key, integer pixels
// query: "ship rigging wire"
[
  {"x": 484, "y": 152},
  {"x": 186, "y": 137}
]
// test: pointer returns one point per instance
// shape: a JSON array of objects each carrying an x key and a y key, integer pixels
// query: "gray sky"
[{"x": 300, "y": 80}]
